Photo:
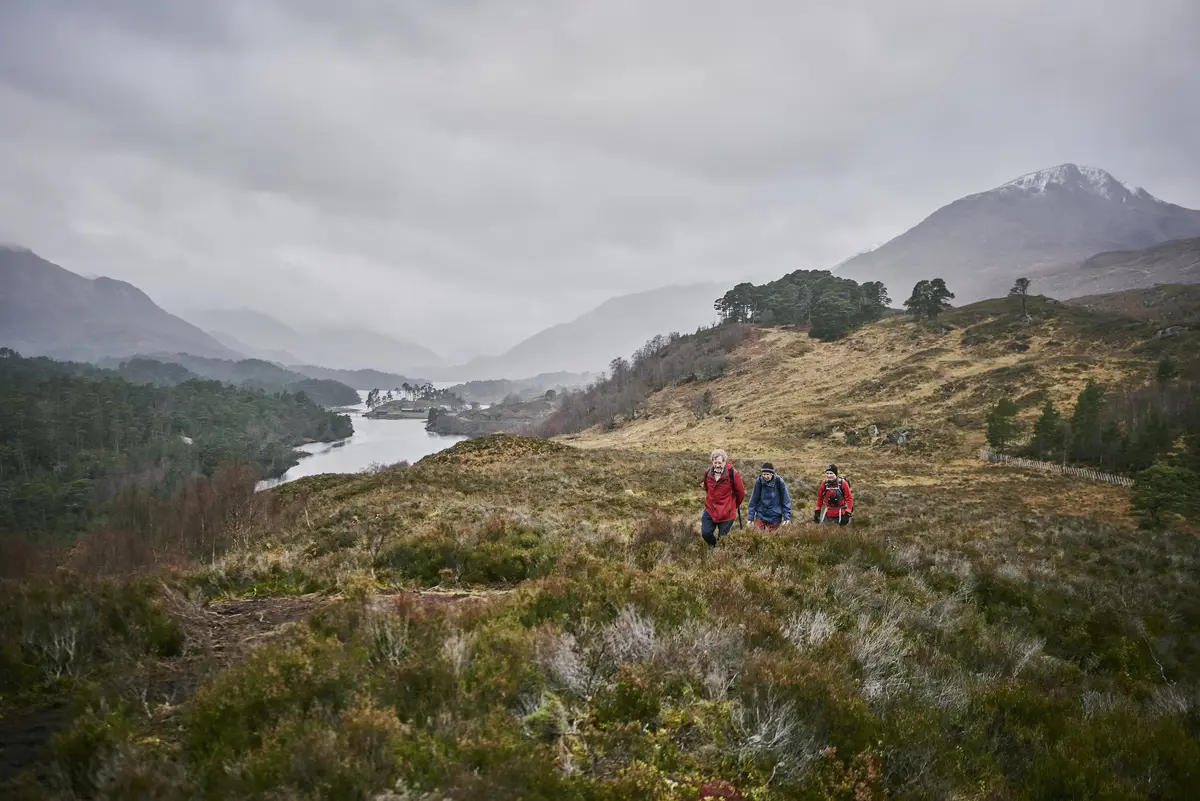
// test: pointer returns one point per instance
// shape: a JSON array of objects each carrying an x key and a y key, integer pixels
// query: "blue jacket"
[{"x": 770, "y": 502}]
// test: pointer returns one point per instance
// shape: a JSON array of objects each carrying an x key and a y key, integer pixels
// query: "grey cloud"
[{"x": 524, "y": 160}]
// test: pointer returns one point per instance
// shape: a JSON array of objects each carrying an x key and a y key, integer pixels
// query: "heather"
[{"x": 514, "y": 618}]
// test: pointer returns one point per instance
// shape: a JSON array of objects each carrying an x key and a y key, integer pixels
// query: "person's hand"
[
  {"x": 845, "y": 521},
  {"x": 817, "y": 516},
  {"x": 787, "y": 522}
]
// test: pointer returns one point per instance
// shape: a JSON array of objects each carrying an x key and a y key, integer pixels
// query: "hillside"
[
  {"x": 1174, "y": 262},
  {"x": 46, "y": 310},
  {"x": 1035, "y": 223},
  {"x": 617, "y": 327},
  {"x": 498, "y": 389},
  {"x": 258, "y": 374},
  {"x": 1165, "y": 304},
  {"x": 927, "y": 385},
  {"x": 73, "y": 435},
  {"x": 359, "y": 379},
  {"x": 516, "y": 618}
]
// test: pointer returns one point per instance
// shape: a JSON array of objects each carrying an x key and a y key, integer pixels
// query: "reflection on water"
[{"x": 373, "y": 443}]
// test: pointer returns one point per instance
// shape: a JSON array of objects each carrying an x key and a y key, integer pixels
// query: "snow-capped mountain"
[
  {"x": 1074, "y": 177},
  {"x": 1039, "y": 221}
]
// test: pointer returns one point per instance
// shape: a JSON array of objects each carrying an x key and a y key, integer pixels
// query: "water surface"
[{"x": 374, "y": 442}]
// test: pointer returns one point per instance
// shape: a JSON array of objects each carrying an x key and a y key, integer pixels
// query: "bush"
[
  {"x": 499, "y": 552},
  {"x": 1163, "y": 492}
]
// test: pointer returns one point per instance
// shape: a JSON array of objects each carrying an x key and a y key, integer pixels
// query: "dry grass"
[
  {"x": 531, "y": 618},
  {"x": 787, "y": 397}
]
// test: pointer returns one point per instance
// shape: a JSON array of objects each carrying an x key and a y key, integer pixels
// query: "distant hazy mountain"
[
  {"x": 347, "y": 348},
  {"x": 1040, "y": 221},
  {"x": 360, "y": 349},
  {"x": 174, "y": 368},
  {"x": 617, "y": 327},
  {"x": 1174, "y": 262},
  {"x": 230, "y": 341},
  {"x": 359, "y": 379},
  {"x": 46, "y": 310}
]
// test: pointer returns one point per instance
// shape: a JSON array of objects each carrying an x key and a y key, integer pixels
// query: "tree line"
[
  {"x": 72, "y": 436},
  {"x": 664, "y": 361},
  {"x": 1151, "y": 433},
  {"x": 830, "y": 306}
]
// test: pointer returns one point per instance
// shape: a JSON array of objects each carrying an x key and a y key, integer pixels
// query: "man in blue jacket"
[{"x": 770, "y": 505}]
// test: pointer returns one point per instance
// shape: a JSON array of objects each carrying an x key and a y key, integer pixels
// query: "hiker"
[
  {"x": 723, "y": 496},
  {"x": 834, "y": 501},
  {"x": 770, "y": 504}
]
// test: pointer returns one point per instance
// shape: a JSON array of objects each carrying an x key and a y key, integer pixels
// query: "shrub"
[{"x": 500, "y": 552}]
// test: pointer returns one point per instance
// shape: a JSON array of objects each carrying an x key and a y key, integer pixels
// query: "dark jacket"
[
  {"x": 770, "y": 501},
  {"x": 722, "y": 498}
]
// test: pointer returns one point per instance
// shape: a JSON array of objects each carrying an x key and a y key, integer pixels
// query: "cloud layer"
[{"x": 465, "y": 173}]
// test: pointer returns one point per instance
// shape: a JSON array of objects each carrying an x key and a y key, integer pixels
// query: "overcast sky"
[{"x": 465, "y": 173}]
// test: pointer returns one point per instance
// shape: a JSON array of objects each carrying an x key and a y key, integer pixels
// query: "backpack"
[{"x": 836, "y": 497}]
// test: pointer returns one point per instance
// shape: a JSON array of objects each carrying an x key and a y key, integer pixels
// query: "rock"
[
  {"x": 1019, "y": 347},
  {"x": 1171, "y": 331},
  {"x": 899, "y": 436},
  {"x": 873, "y": 431}
]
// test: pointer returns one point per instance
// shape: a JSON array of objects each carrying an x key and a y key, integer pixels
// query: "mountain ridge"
[
  {"x": 48, "y": 310},
  {"x": 342, "y": 347},
  {"x": 1034, "y": 223},
  {"x": 588, "y": 343}
]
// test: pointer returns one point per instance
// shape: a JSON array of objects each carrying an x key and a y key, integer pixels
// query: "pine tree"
[
  {"x": 1086, "y": 425},
  {"x": 1002, "y": 426},
  {"x": 1162, "y": 491},
  {"x": 1047, "y": 431},
  {"x": 1021, "y": 290},
  {"x": 929, "y": 298},
  {"x": 832, "y": 318}
]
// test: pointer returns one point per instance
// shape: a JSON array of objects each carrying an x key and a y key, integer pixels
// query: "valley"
[
  {"x": 553, "y": 602},
  {"x": 521, "y": 605}
]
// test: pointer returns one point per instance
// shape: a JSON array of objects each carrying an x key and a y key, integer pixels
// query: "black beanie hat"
[
  {"x": 768, "y": 467},
  {"x": 832, "y": 467}
]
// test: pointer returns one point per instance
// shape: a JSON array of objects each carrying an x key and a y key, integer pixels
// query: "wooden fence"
[{"x": 987, "y": 454}]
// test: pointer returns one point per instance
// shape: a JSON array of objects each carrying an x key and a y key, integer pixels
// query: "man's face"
[
  {"x": 830, "y": 476},
  {"x": 718, "y": 463},
  {"x": 767, "y": 475}
]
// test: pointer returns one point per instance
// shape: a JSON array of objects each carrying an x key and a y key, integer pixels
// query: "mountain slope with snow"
[{"x": 1034, "y": 223}]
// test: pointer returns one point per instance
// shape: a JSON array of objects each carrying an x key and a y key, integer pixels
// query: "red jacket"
[
  {"x": 824, "y": 489},
  {"x": 722, "y": 498}
]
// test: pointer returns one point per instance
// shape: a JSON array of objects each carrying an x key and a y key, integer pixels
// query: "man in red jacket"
[
  {"x": 723, "y": 494},
  {"x": 834, "y": 498}
]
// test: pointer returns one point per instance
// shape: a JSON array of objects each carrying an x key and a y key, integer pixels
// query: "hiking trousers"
[{"x": 709, "y": 529}]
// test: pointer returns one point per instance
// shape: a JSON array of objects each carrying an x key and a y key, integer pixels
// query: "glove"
[
  {"x": 816, "y": 515},
  {"x": 845, "y": 521},
  {"x": 787, "y": 522}
]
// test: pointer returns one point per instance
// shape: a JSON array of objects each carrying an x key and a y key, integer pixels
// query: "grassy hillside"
[
  {"x": 929, "y": 383},
  {"x": 539, "y": 619},
  {"x": 456, "y": 629},
  {"x": 1172, "y": 304}
]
